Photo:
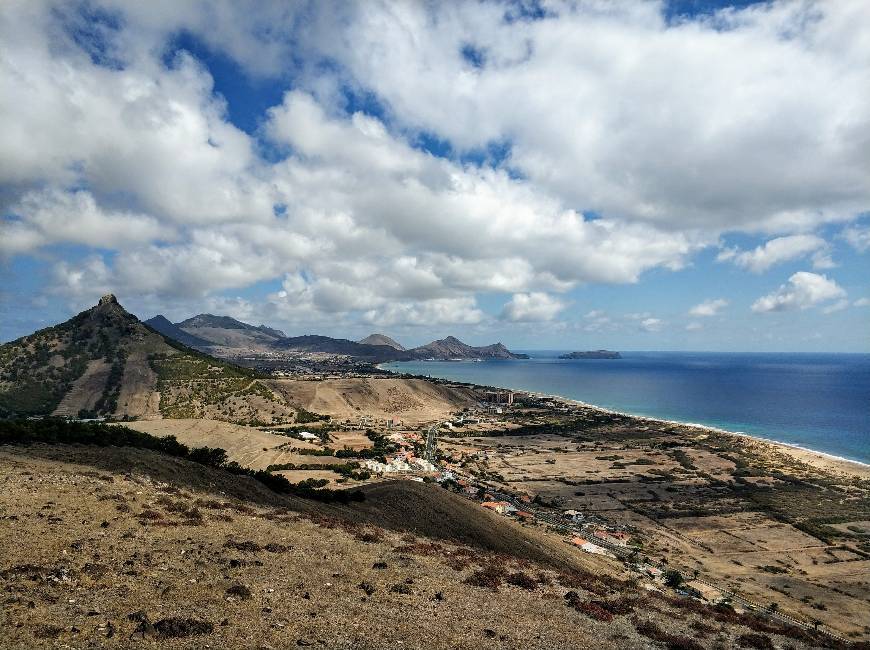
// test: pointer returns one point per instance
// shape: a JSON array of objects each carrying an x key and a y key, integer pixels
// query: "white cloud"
[
  {"x": 446, "y": 311},
  {"x": 708, "y": 307},
  {"x": 802, "y": 291},
  {"x": 858, "y": 237},
  {"x": 840, "y": 305},
  {"x": 694, "y": 326},
  {"x": 531, "y": 307},
  {"x": 141, "y": 159},
  {"x": 763, "y": 104},
  {"x": 861, "y": 302},
  {"x": 53, "y": 215},
  {"x": 779, "y": 250},
  {"x": 652, "y": 324}
]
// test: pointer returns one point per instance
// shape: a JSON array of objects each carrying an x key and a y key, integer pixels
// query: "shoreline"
[{"x": 818, "y": 459}]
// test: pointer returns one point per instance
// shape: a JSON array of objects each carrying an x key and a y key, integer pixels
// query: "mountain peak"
[
  {"x": 108, "y": 299},
  {"x": 382, "y": 339},
  {"x": 452, "y": 348}
]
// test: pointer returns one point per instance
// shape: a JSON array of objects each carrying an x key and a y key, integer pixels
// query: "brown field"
[
  {"x": 355, "y": 439},
  {"x": 686, "y": 504},
  {"x": 297, "y": 475},
  {"x": 245, "y": 445}
]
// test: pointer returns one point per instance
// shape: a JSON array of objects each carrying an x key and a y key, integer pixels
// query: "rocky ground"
[{"x": 121, "y": 548}]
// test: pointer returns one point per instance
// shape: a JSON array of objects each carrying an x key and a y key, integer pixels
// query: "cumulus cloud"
[
  {"x": 708, "y": 307},
  {"x": 115, "y": 141},
  {"x": 597, "y": 320},
  {"x": 752, "y": 92},
  {"x": 858, "y": 237},
  {"x": 840, "y": 305},
  {"x": 779, "y": 250},
  {"x": 54, "y": 215},
  {"x": 531, "y": 307},
  {"x": 861, "y": 302},
  {"x": 447, "y": 311},
  {"x": 651, "y": 324},
  {"x": 802, "y": 291}
]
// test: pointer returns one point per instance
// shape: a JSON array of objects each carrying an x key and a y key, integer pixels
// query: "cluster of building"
[{"x": 402, "y": 463}]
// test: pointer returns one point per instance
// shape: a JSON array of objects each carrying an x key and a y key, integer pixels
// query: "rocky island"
[{"x": 592, "y": 354}]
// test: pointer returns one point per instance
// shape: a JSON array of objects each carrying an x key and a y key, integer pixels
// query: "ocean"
[{"x": 816, "y": 401}]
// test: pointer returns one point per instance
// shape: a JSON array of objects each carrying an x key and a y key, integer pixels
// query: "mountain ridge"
[
  {"x": 167, "y": 328},
  {"x": 452, "y": 348},
  {"x": 382, "y": 339},
  {"x": 105, "y": 362},
  {"x": 215, "y": 331}
]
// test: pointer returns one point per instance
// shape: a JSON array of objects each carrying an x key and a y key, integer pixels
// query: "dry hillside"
[
  {"x": 411, "y": 400},
  {"x": 111, "y": 547},
  {"x": 105, "y": 362}
]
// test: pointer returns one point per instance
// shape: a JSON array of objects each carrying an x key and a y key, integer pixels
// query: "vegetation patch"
[{"x": 57, "y": 431}]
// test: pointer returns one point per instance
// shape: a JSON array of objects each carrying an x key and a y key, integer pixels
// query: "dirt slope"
[
  {"x": 410, "y": 400},
  {"x": 85, "y": 391},
  {"x": 245, "y": 445},
  {"x": 115, "y": 548}
]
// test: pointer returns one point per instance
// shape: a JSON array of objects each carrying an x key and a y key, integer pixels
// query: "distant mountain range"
[
  {"x": 223, "y": 335},
  {"x": 453, "y": 348}
]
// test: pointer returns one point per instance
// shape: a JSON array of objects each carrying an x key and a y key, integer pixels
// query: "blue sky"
[{"x": 639, "y": 176}]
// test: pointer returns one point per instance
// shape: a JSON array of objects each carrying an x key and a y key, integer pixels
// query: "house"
[
  {"x": 620, "y": 537},
  {"x": 652, "y": 572},
  {"x": 307, "y": 435},
  {"x": 589, "y": 547},
  {"x": 423, "y": 464},
  {"x": 501, "y": 507},
  {"x": 374, "y": 466},
  {"x": 526, "y": 516},
  {"x": 573, "y": 515}
]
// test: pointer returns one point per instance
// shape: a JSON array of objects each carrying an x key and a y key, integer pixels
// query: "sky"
[{"x": 635, "y": 175}]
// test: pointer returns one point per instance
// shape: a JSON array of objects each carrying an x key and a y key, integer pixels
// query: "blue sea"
[{"x": 815, "y": 401}]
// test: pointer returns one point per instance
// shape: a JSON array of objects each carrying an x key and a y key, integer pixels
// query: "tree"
[{"x": 673, "y": 578}]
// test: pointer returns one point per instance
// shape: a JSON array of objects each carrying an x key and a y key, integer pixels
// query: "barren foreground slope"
[{"x": 111, "y": 547}]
